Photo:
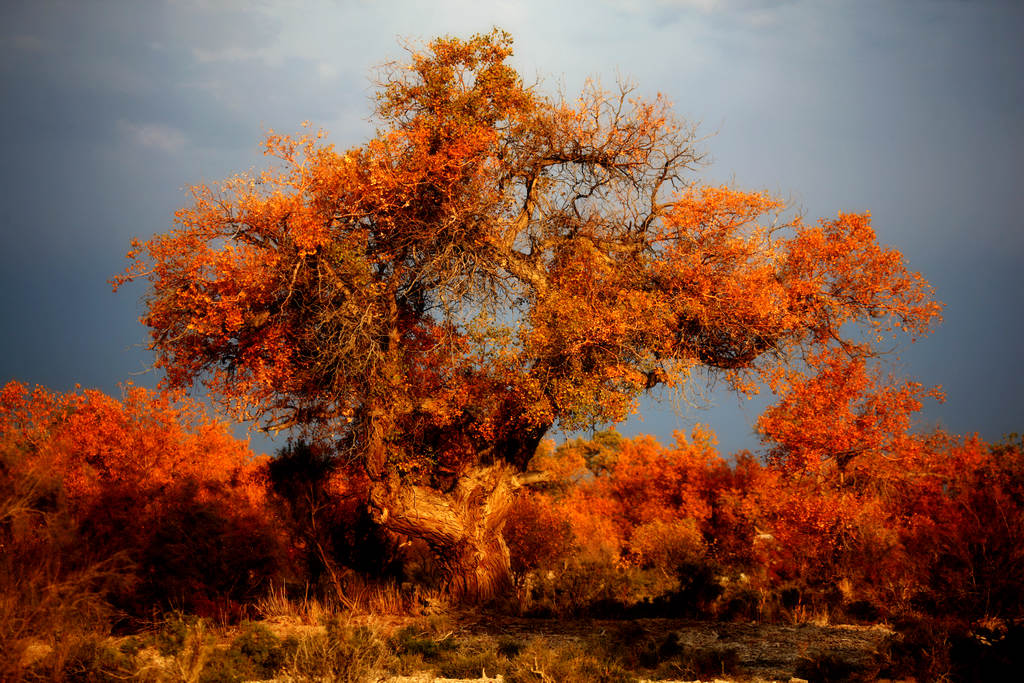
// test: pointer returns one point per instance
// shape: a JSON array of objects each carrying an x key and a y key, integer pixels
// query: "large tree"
[{"x": 492, "y": 263}]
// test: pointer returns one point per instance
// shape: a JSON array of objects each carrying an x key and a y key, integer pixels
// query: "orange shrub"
[
  {"x": 914, "y": 523},
  {"x": 153, "y": 476},
  {"x": 646, "y": 505},
  {"x": 667, "y": 543},
  {"x": 537, "y": 533},
  {"x": 146, "y": 441},
  {"x": 958, "y": 504}
]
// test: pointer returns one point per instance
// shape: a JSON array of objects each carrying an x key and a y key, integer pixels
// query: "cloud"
[
  {"x": 153, "y": 135},
  {"x": 24, "y": 43},
  {"x": 326, "y": 71},
  {"x": 699, "y": 5},
  {"x": 227, "y": 54}
]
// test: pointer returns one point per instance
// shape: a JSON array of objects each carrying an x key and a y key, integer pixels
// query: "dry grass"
[
  {"x": 467, "y": 646},
  {"x": 361, "y": 598},
  {"x": 52, "y": 592}
]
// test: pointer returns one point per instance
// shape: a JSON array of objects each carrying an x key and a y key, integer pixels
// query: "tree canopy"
[{"x": 492, "y": 263}]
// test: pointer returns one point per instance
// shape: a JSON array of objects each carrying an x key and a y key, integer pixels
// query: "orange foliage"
[
  {"x": 537, "y": 533},
  {"x": 648, "y": 495},
  {"x": 958, "y": 506},
  {"x": 839, "y": 408},
  {"x": 917, "y": 523},
  {"x": 494, "y": 262},
  {"x": 144, "y": 443},
  {"x": 153, "y": 478}
]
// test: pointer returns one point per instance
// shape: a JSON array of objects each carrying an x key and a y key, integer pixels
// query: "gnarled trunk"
[{"x": 463, "y": 527}]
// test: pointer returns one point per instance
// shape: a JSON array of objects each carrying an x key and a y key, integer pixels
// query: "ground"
[{"x": 755, "y": 652}]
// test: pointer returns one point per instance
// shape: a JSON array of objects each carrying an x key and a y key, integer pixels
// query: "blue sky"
[{"x": 912, "y": 109}]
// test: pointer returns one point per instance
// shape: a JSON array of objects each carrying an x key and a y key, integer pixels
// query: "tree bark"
[{"x": 463, "y": 527}]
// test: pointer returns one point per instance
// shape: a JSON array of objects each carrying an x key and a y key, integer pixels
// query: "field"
[
  {"x": 141, "y": 541},
  {"x": 390, "y": 637},
  {"x": 470, "y": 646}
]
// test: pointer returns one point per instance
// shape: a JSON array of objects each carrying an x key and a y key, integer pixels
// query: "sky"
[{"x": 910, "y": 109}]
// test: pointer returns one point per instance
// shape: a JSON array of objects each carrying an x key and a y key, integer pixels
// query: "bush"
[
  {"x": 344, "y": 653},
  {"x": 933, "y": 649},
  {"x": 667, "y": 544},
  {"x": 537, "y": 534},
  {"x": 593, "y": 588},
  {"x": 175, "y": 631},
  {"x": 413, "y": 641},
  {"x": 255, "y": 654},
  {"x": 468, "y": 661},
  {"x": 539, "y": 663},
  {"x": 93, "y": 660},
  {"x": 151, "y": 482},
  {"x": 323, "y": 506},
  {"x": 700, "y": 662},
  {"x": 53, "y": 585}
]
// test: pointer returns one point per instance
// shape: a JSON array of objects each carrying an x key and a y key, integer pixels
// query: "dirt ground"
[{"x": 764, "y": 652}]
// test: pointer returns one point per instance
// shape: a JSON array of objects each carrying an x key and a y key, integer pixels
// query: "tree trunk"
[{"x": 463, "y": 527}]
